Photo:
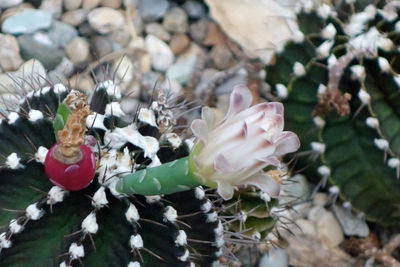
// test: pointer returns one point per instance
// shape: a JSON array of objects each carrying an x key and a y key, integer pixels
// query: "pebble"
[
  {"x": 105, "y": 19},
  {"x": 176, "y": 20},
  {"x": 10, "y": 58},
  {"x": 182, "y": 71},
  {"x": 194, "y": 9},
  {"x": 50, "y": 57},
  {"x": 131, "y": 3},
  {"x": 77, "y": 50},
  {"x": 161, "y": 55},
  {"x": 72, "y": 4},
  {"x": 100, "y": 46},
  {"x": 351, "y": 224},
  {"x": 53, "y": 7},
  {"x": 61, "y": 34},
  {"x": 306, "y": 227},
  {"x": 28, "y": 21},
  {"x": 152, "y": 10},
  {"x": 198, "y": 30},
  {"x": 75, "y": 17},
  {"x": 90, "y": 4},
  {"x": 121, "y": 38},
  {"x": 9, "y": 3},
  {"x": 221, "y": 56},
  {"x": 62, "y": 71},
  {"x": 320, "y": 199},
  {"x": 171, "y": 88},
  {"x": 111, "y": 3},
  {"x": 329, "y": 230},
  {"x": 275, "y": 257},
  {"x": 179, "y": 42},
  {"x": 158, "y": 31}
]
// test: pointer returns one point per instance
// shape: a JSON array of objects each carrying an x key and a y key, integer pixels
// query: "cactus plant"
[{"x": 338, "y": 78}]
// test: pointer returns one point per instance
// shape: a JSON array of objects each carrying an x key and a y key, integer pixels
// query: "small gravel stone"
[
  {"x": 194, "y": 9},
  {"x": 158, "y": 31},
  {"x": 90, "y": 4},
  {"x": 198, "y": 30},
  {"x": 152, "y": 10},
  {"x": 77, "y": 50},
  {"x": 105, "y": 19},
  {"x": 100, "y": 46},
  {"x": 176, "y": 20},
  {"x": 50, "y": 57},
  {"x": 10, "y": 58},
  {"x": 53, "y": 7},
  {"x": 161, "y": 55},
  {"x": 72, "y": 4},
  {"x": 28, "y": 21},
  {"x": 61, "y": 33},
  {"x": 221, "y": 56},
  {"x": 111, "y": 3},
  {"x": 182, "y": 71},
  {"x": 179, "y": 42},
  {"x": 329, "y": 230},
  {"x": 9, "y": 3},
  {"x": 131, "y": 3},
  {"x": 75, "y": 17}
]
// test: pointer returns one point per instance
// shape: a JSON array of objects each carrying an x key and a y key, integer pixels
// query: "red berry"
[{"x": 71, "y": 177}]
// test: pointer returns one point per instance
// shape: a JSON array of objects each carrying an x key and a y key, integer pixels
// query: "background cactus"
[{"x": 339, "y": 81}]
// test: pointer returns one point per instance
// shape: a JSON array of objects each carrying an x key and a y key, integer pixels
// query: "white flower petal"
[
  {"x": 221, "y": 164},
  {"x": 266, "y": 183},
  {"x": 240, "y": 100},
  {"x": 225, "y": 190},
  {"x": 208, "y": 116},
  {"x": 288, "y": 142},
  {"x": 200, "y": 130}
]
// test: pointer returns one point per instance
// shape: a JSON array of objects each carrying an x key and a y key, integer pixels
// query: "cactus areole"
[{"x": 70, "y": 164}]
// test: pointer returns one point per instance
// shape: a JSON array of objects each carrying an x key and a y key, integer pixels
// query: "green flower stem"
[{"x": 167, "y": 178}]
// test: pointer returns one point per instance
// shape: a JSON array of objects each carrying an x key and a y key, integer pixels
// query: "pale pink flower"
[{"x": 235, "y": 151}]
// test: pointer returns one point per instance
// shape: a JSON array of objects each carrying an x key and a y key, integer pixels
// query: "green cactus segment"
[
  {"x": 20, "y": 188},
  {"x": 101, "y": 96},
  {"x": 167, "y": 178},
  {"x": 43, "y": 242},
  {"x": 60, "y": 119}
]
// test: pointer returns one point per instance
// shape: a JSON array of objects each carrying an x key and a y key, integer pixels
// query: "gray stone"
[
  {"x": 50, "y": 57},
  {"x": 90, "y": 4},
  {"x": 111, "y": 3},
  {"x": 61, "y": 34},
  {"x": 329, "y": 230},
  {"x": 179, "y": 42},
  {"x": 221, "y": 57},
  {"x": 75, "y": 17},
  {"x": 194, "y": 9},
  {"x": 9, "y": 53},
  {"x": 100, "y": 46},
  {"x": 176, "y": 20},
  {"x": 158, "y": 31},
  {"x": 61, "y": 71},
  {"x": 351, "y": 223},
  {"x": 275, "y": 257},
  {"x": 198, "y": 30},
  {"x": 182, "y": 71},
  {"x": 152, "y": 10},
  {"x": 53, "y": 7},
  {"x": 105, "y": 19},
  {"x": 77, "y": 50},
  {"x": 131, "y": 3},
  {"x": 72, "y": 4},
  {"x": 161, "y": 55},
  {"x": 28, "y": 21},
  {"x": 9, "y": 3}
]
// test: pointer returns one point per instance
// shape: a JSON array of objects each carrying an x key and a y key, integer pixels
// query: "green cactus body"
[{"x": 355, "y": 143}]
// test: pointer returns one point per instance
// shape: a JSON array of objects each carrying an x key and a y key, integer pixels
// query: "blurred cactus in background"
[{"x": 339, "y": 81}]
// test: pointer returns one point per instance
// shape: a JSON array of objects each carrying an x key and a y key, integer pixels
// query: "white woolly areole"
[
  {"x": 155, "y": 162},
  {"x": 318, "y": 121},
  {"x": 15, "y": 227},
  {"x": 334, "y": 190},
  {"x": 281, "y": 91},
  {"x": 357, "y": 21},
  {"x": 393, "y": 163},
  {"x": 206, "y": 207},
  {"x": 96, "y": 120},
  {"x": 324, "y": 48},
  {"x": 13, "y": 161},
  {"x": 321, "y": 89},
  {"x": 173, "y": 139},
  {"x": 41, "y": 154},
  {"x": 332, "y": 60},
  {"x": 132, "y": 214},
  {"x": 384, "y": 65},
  {"x": 190, "y": 143},
  {"x": 12, "y": 117},
  {"x": 4, "y": 242},
  {"x": 297, "y": 37},
  {"x": 219, "y": 231},
  {"x": 212, "y": 217},
  {"x": 318, "y": 147},
  {"x": 199, "y": 192},
  {"x": 76, "y": 251},
  {"x": 33, "y": 213},
  {"x": 372, "y": 122},
  {"x": 364, "y": 97},
  {"x": 56, "y": 194},
  {"x": 396, "y": 79},
  {"x": 170, "y": 214},
  {"x": 382, "y": 144},
  {"x": 134, "y": 264},
  {"x": 63, "y": 264},
  {"x": 99, "y": 199},
  {"x": 152, "y": 199},
  {"x": 185, "y": 256},
  {"x": 219, "y": 241},
  {"x": 181, "y": 238},
  {"x": 324, "y": 171},
  {"x": 59, "y": 88},
  {"x": 35, "y": 115},
  {"x": 298, "y": 69},
  {"x": 329, "y": 32},
  {"x": 136, "y": 241},
  {"x": 371, "y": 41},
  {"x": 111, "y": 88},
  {"x": 324, "y": 11},
  {"x": 147, "y": 116},
  {"x": 89, "y": 224},
  {"x": 358, "y": 72},
  {"x": 114, "y": 108}
]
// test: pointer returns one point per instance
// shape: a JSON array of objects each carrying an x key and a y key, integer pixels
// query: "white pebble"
[
  {"x": 76, "y": 251},
  {"x": 35, "y": 115},
  {"x": 89, "y": 224}
]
